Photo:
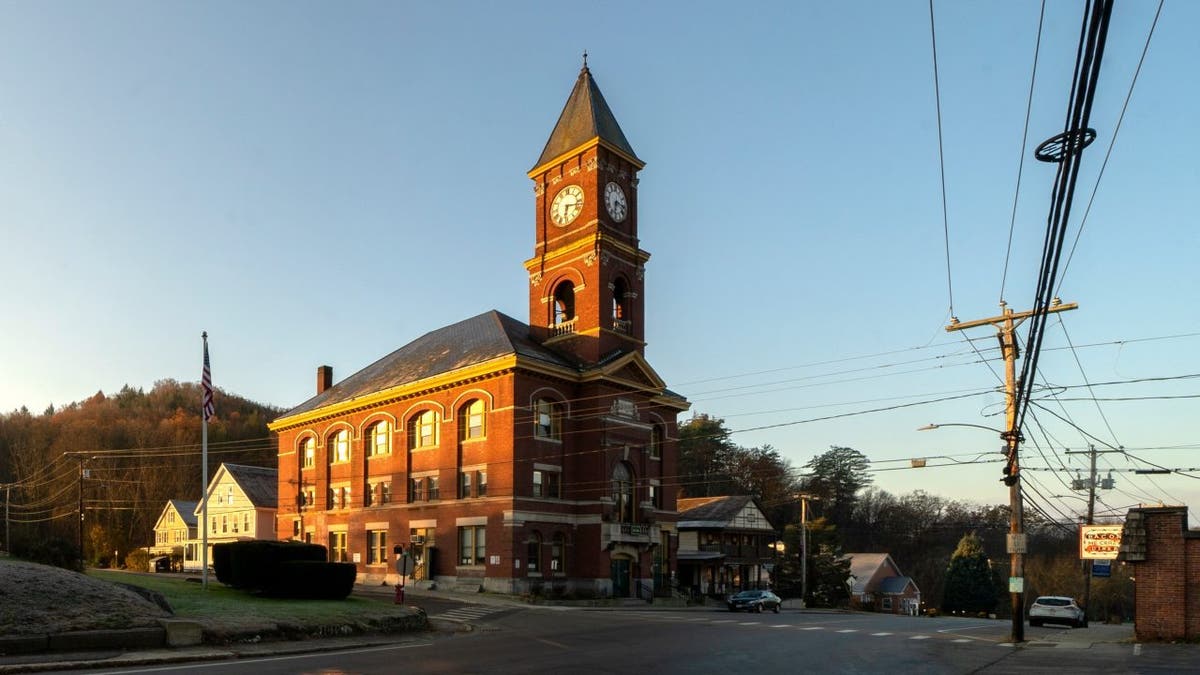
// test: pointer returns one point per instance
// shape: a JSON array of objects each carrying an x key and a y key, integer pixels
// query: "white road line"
[
  {"x": 725, "y": 621},
  {"x": 813, "y": 628},
  {"x": 781, "y": 625},
  {"x": 1137, "y": 649},
  {"x": 919, "y": 637},
  {"x": 749, "y": 623},
  {"x": 958, "y": 628},
  {"x": 879, "y": 634},
  {"x": 848, "y": 630},
  {"x": 960, "y": 640}
]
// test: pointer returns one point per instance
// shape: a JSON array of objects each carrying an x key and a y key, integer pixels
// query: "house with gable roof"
[
  {"x": 876, "y": 584},
  {"x": 242, "y": 504},
  {"x": 176, "y": 528},
  {"x": 724, "y": 545}
]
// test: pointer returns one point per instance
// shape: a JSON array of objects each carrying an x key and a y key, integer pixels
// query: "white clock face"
[
  {"x": 566, "y": 205},
  {"x": 614, "y": 201}
]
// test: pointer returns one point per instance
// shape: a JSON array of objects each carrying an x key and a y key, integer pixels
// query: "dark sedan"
[{"x": 754, "y": 601}]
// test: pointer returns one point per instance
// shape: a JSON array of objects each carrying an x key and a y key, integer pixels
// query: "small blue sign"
[{"x": 1102, "y": 568}]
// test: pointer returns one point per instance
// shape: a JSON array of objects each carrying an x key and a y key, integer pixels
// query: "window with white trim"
[
  {"x": 308, "y": 452},
  {"x": 472, "y": 545},
  {"x": 339, "y": 447},
  {"x": 380, "y": 439},
  {"x": 546, "y": 419},
  {"x": 471, "y": 421},
  {"x": 377, "y": 547},
  {"x": 423, "y": 430}
]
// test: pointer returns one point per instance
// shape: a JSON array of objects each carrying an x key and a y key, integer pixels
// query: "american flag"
[{"x": 210, "y": 411}]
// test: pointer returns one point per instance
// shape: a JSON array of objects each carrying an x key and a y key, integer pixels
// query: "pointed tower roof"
[{"x": 584, "y": 118}]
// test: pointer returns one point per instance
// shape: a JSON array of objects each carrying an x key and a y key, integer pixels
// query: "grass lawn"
[{"x": 224, "y": 610}]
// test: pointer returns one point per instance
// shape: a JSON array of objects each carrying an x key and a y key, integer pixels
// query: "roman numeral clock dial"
[
  {"x": 566, "y": 205},
  {"x": 614, "y": 202}
]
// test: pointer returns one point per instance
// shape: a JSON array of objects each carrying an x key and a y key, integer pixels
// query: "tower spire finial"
[{"x": 585, "y": 59}]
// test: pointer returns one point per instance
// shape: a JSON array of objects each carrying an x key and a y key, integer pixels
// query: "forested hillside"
[{"x": 122, "y": 456}]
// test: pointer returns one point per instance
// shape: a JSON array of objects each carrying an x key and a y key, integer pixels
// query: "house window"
[
  {"x": 308, "y": 450},
  {"x": 224, "y": 524},
  {"x": 464, "y": 484},
  {"x": 655, "y": 495},
  {"x": 235, "y": 523},
  {"x": 310, "y": 497},
  {"x": 432, "y": 485},
  {"x": 339, "y": 447},
  {"x": 470, "y": 423},
  {"x": 376, "y": 547},
  {"x": 416, "y": 489},
  {"x": 422, "y": 431},
  {"x": 296, "y": 529},
  {"x": 170, "y": 516},
  {"x": 213, "y": 529},
  {"x": 380, "y": 440},
  {"x": 481, "y": 483},
  {"x": 533, "y": 553},
  {"x": 385, "y": 492},
  {"x": 546, "y": 484},
  {"x": 337, "y": 547},
  {"x": 887, "y": 604},
  {"x": 656, "y": 441},
  {"x": 369, "y": 495},
  {"x": 557, "y": 545},
  {"x": 622, "y": 492},
  {"x": 546, "y": 419},
  {"x": 229, "y": 493},
  {"x": 472, "y": 549}
]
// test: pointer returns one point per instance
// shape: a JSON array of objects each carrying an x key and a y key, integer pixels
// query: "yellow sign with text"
[{"x": 1099, "y": 542}]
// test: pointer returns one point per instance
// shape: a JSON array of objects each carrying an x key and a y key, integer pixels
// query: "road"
[{"x": 510, "y": 639}]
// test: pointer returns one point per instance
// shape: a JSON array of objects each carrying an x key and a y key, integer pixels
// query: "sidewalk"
[{"x": 1084, "y": 638}]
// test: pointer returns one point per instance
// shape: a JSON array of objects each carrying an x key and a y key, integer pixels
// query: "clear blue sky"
[{"x": 319, "y": 184}]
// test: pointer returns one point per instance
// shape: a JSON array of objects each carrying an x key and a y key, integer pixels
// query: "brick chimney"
[{"x": 324, "y": 378}]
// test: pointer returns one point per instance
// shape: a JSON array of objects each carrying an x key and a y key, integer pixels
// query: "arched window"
[
  {"x": 339, "y": 447},
  {"x": 620, "y": 302},
  {"x": 622, "y": 492},
  {"x": 546, "y": 419},
  {"x": 308, "y": 452},
  {"x": 656, "y": 442},
  {"x": 564, "y": 303},
  {"x": 423, "y": 430},
  {"x": 557, "y": 548},
  {"x": 379, "y": 439},
  {"x": 471, "y": 420},
  {"x": 533, "y": 553}
]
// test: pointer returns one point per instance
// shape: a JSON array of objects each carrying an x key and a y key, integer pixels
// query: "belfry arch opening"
[{"x": 564, "y": 304}]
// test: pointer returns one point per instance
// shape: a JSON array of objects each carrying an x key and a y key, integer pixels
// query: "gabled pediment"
[{"x": 630, "y": 369}]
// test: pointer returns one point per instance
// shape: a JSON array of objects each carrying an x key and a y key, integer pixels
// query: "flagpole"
[{"x": 205, "y": 411}]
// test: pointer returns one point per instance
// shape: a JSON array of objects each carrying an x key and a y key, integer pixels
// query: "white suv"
[{"x": 1056, "y": 609}]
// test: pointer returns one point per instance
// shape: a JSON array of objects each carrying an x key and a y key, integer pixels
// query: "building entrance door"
[{"x": 620, "y": 578}]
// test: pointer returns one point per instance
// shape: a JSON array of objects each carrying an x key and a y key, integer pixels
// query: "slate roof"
[
  {"x": 187, "y": 511},
  {"x": 721, "y": 509},
  {"x": 260, "y": 484},
  {"x": 481, "y": 338},
  {"x": 585, "y": 116},
  {"x": 895, "y": 585}
]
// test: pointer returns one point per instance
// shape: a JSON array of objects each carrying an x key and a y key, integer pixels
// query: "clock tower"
[{"x": 587, "y": 273}]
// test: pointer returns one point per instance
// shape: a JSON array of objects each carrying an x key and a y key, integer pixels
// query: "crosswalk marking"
[{"x": 469, "y": 612}]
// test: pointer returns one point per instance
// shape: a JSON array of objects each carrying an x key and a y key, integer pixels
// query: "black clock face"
[{"x": 614, "y": 201}]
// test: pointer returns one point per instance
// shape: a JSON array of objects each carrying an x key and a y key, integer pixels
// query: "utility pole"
[
  {"x": 1091, "y": 513},
  {"x": 81, "y": 511},
  {"x": 1006, "y": 326},
  {"x": 804, "y": 549}
]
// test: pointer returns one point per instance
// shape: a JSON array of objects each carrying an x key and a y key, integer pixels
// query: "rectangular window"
[
  {"x": 337, "y": 547},
  {"x": 464, "y": 484},
  {"x": 472, "y": 548},
  {"x": 416, "y": 489},
  {"x": 481, "y": 483},
  {"x": 556, "y": 554},
  {"x": 546, "y": 484},
  {"x": 434, "y": 492},
  {"x": 246, "y": 523},
  {"x": 369, "y": 495},
  {"x": 385, "y": 492},
  {"x": 224, "y": 524},
  {"x": 655, "y": 496},
  {"x": 213, "y": 529},
  {"x": 235, "y": 523},
  {"x": 346, "y": 497},
  {"x": 310, "y": 455},
  {"x": 296, "y": 529},
  {"x": 376, "y": 547}
]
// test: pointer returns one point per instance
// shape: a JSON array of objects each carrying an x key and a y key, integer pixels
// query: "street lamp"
[{"x": 1016, "y": 537}]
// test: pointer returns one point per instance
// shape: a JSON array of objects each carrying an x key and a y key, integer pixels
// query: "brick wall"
[{"x": 1167, "y": 581}]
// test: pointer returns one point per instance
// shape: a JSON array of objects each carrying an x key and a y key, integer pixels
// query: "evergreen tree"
[{"x": 970, "y": 581}]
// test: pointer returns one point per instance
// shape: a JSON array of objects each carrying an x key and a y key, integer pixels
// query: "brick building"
[
  {"x": 1165, "y": 556},
  {"x": 517, "y": 457}
]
